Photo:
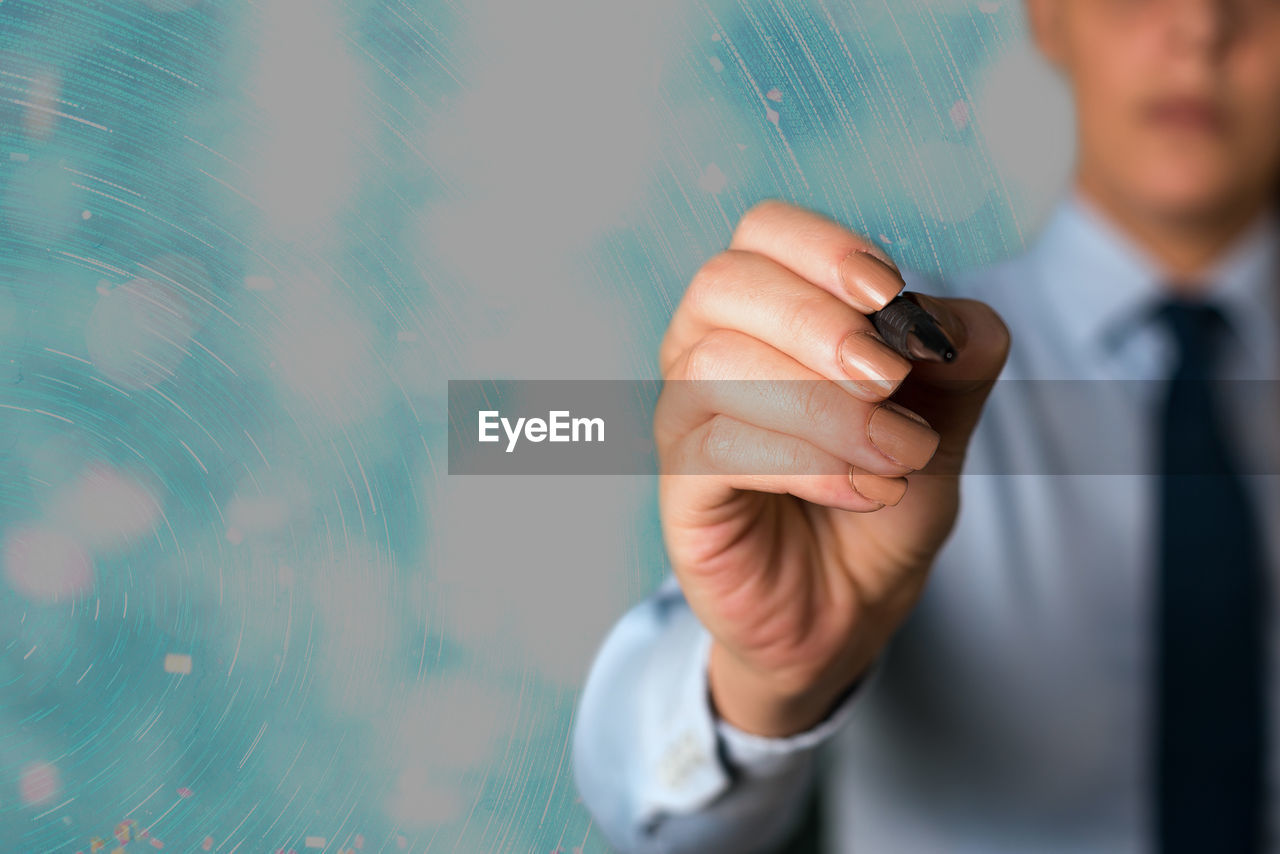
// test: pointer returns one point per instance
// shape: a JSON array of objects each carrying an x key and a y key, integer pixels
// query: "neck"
[{"x": 1185, "y": 247}]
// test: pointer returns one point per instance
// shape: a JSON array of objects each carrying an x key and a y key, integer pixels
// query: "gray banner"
[{"x": 1055, "y": 427}]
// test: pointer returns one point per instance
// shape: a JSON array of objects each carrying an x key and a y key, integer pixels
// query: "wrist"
[{"x": 766, "y": 707}]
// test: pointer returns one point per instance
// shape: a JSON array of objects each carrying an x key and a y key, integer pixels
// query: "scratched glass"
[{"x": 243, "y": 248}]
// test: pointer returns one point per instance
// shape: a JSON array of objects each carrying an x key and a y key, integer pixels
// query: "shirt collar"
[
  {"x": 1246, "y": 285},
  {"x": 1099, "y": 284}
]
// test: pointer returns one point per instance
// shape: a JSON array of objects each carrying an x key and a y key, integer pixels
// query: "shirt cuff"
[
  {"x": 685, "y": 771},
  {"x": 761, "y": 756},
  {"x": 693, "y": 756}
]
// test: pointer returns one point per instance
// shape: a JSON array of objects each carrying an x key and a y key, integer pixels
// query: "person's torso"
[{"x": 1012, "y": 712}]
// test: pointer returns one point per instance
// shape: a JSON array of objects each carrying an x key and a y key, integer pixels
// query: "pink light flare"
[
  {"x": 38, "y": 783},
  {"x": 46, "y": 565}
]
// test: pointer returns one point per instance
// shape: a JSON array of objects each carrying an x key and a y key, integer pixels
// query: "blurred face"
[{"x": 1177, "y": 101}]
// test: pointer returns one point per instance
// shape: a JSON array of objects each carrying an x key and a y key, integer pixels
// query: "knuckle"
[
  {"x": 718, "y": 442},
  {"x": 707, "y": 357},
  {"x": 699, "y": 361},
  {"x": 805, "y": 319},
  {"x": 759, "y": 214},
  {"x": 793, "y": 458},
  {"x": 815, "y": 404},
  {"x": 719, "y": 270}
]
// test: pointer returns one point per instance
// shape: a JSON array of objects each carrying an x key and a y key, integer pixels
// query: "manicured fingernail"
[
  {"x": 868, "y": 281},
  {"x": 902, "y": 436},
  {"x": 873, "y": 369},
  {"x": 886, "y": 491}
]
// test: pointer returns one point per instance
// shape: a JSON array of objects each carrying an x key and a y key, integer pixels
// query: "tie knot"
[{"x": 1197, "y": 329}]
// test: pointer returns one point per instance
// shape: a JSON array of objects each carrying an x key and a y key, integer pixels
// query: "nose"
[{"x": 1206, "y": 26}]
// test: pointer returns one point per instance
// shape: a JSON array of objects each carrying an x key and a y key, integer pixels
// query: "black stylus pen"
[{"x": 913, "y": 332}]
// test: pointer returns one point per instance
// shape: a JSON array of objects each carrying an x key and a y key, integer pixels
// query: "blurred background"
[{"x": 244, "y": 245}]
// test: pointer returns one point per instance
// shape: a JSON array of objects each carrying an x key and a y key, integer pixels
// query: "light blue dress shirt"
[{"x": 1011, "y": 712}]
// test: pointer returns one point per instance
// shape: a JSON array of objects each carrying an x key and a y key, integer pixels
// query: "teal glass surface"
[{"x": 243, "y": 248}]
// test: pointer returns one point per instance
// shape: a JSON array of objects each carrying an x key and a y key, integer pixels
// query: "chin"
[{"x": 1188, "y": 191}]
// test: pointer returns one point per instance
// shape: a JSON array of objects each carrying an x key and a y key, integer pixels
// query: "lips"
[{"x": 1186, "y": 113}]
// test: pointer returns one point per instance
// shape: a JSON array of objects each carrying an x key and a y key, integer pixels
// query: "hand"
[{"x": 803, "y": 509}]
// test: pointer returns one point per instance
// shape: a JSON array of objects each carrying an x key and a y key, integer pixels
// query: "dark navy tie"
[{"x": 1210, "y": 726}]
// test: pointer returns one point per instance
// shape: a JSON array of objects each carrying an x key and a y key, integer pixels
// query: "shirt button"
[{"x": 681, "y": 759}]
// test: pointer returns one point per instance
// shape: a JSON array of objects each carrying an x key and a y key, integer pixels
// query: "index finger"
[{"x": 821, "y": 251}]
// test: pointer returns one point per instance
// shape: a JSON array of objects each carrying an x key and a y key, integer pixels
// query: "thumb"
[{"x": 950, "y": 395}]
